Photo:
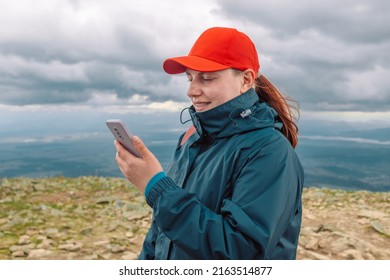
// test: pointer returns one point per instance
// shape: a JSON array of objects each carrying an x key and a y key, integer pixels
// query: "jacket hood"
[{"x": 243, "y": 113}]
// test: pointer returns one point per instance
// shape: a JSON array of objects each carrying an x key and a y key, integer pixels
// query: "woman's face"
[{"x": 208, "y": 90}]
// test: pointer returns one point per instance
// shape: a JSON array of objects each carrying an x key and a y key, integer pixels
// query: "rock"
[
  {"x": 102, "y": 218},
  {"x": 31, "y": 231},
  {"x": 86, "y": 231},
  {"x": 130, "y": 256},
  {"x": 56, "y": 212},
  {"x": 360, "y": 245},
  {"x": 91, "y": 257},
  {"x": 324, "y": 241},
  {"x": 119, "y": 204},
  {"x": 106, "y": 256},
  {"x": 101, "y": 243},
  {"x": 25, "y": 248},
  {"x": 46, "y": 244},
  {"x": 16, "y": 221},
  {"x": 336, "y": 245},
  {"x": 118, "y": 249},
  {"x": 309, "y": 216},
  {"x": 145, "y": 223},
  {"x": 24, "y": 240},
  {"x": 137, "y": 239},
  {"x": 309, "y": 231},
  {"x": 3, "y": 220},
  {"x": 51, "y": 233},
  {"x": 38, "y": 254},
  {"x": 6, "y": 200},
  {"x": 352, "y": 254},
  {"x": 371, "y": 214},
  {"x": 136, "y": 214},
  {"x": 362, "y": 221},
  {"x": 38, "y": 188},
  {"x": 105, "y": 200},
  {"x": 312, "y": 244},
  {"x": 378, "y": 226},
  {"x": 44, "y": 207},
  {"x": 71, "y": 247},
  {"x": 19, "y": 254},
  {"x": 113, "y": 226},
  {"x": 317, "y": 256},
  {"x": 324, "y": 227},
  {"x": 368, "y": 256}
]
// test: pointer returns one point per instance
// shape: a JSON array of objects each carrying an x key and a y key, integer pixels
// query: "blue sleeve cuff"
[{"x": 157, "y": 177}]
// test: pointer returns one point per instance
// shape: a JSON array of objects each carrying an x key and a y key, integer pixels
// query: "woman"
[{"x": 233, "y": 189}]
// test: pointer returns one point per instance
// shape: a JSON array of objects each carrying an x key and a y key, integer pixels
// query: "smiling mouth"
[{"x": 201, "y": 105}]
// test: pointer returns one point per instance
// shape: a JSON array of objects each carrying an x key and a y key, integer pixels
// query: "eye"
[{"x": 207, "y": 79}]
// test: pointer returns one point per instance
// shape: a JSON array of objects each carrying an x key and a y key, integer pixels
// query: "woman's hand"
[{"x": 138, "y": 171}]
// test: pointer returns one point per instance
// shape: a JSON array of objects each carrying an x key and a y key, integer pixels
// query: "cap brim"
[{"x": 180, "y": 64}]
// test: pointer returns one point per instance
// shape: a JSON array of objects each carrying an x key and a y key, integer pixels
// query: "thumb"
[{"x": 140, "y": 146}]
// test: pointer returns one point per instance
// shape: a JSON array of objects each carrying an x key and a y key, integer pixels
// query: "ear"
[{"x": 248, "y": 79}]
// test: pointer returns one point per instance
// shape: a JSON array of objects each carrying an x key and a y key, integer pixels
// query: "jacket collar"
[{"x": 240, "y": 114}]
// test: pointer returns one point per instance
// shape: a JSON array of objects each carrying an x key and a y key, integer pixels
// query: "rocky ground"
[{"x": 105, "y": 218}]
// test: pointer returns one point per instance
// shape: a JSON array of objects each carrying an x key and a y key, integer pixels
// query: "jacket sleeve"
[{"x": 251, "y": 220}]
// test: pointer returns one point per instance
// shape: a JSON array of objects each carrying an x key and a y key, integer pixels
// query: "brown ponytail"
[{"x": 267, "y": 92}]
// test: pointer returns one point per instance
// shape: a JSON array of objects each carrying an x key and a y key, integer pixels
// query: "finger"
[
  {"x": 118, "y": 158},
  {"x": 118, "y": 145},
  {"x": 120, "y": 150},
  {"x": 122, "y": 164},
  {"x": 121, "y": 153},
  {"x": 140, "y": 146}
]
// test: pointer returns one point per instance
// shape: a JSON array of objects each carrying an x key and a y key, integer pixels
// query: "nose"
[{"x": 194, "y": 89}]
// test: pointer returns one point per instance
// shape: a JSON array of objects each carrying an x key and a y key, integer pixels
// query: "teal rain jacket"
[{"x": 232, "y": 191}]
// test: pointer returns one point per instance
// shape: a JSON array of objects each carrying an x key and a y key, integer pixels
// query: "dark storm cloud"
[
  {"x": 327, "y": 54},
  {"x": 48, "y": 73},
  {"x": 41, "y": 83},
  {"x": 65, "y": 51},
  {"x": 357, "y": 21}
]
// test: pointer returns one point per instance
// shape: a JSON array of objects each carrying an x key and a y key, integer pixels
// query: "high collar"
[{"x": 239, "y": 114}]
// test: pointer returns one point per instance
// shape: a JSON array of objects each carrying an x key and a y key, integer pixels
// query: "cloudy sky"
[{"x": 333, "y": 56}]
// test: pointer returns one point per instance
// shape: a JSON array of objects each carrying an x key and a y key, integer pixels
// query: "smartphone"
[{"x": 122, "y": 134}]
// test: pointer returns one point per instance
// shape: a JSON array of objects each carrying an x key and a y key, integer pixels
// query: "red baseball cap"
[{"x": 217, "y": 48}]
